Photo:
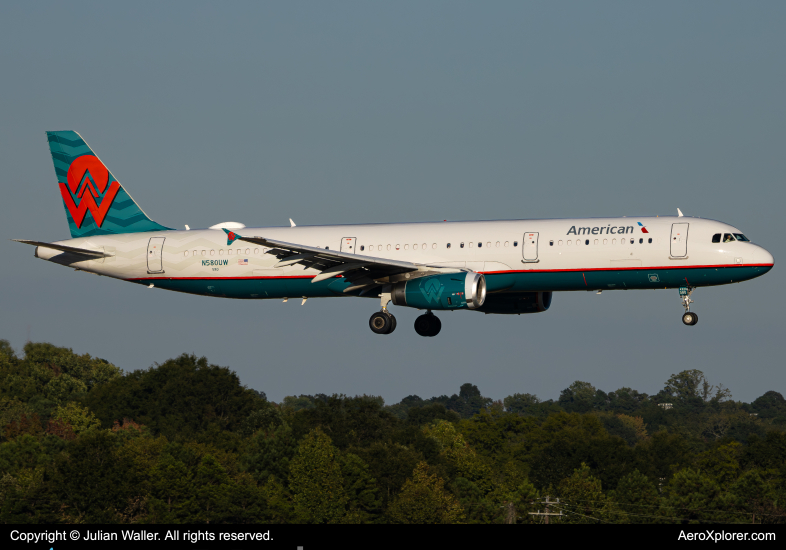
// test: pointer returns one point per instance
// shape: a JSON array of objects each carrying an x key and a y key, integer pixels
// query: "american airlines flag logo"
[{"x": 244, "y": 261}]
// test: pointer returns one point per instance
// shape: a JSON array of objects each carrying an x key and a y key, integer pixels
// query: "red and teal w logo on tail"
[
  {"x": 87, "y": 180},
  {"x": 643, "y": 229},
  {"x": 95, "y": 202}
]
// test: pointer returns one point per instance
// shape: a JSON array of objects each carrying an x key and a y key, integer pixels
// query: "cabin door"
[
  {"x": 530, "y": 247},
  {"x": 679, "y": 240},
  {"x": 155, "y": 249}
]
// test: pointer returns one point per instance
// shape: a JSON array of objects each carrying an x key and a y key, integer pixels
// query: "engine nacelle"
[
  {"x": 517, "y": 303},
  {"x": 447, "y": 291}
]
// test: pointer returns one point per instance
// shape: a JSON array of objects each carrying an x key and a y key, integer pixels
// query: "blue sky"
[{"x": 352, "y": 112}]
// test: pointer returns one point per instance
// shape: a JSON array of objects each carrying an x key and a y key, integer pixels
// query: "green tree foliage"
[
  {"x": 692, "y": 384},
  {"x": 186, "y": 442},
  {"x": 467, "y": 403},
  {"x": 423, "y": 499},
  {"x": 582, "y": 499},
  {"x": 51, "y": 373},
  {"x": 771, "y": 405},
  {"x": 316, "y": 481},
  {"x": 178, "y": 398},
  {"x": 637, "y": 500},
  {"x": 269, "y": 452}
]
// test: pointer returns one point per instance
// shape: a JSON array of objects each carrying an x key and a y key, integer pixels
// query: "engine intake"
[{"x": 448, "y": 291}]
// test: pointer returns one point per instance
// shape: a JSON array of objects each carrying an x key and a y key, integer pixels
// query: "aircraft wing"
[
  {"x": 363, "y": 271},
  {"x": 63, "y": 248}
]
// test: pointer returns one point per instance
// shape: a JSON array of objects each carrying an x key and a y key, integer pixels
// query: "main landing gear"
[
  {"x": 689, "y": 318},
  {"x": 428, "y": 324},
  {"x": 382, "y": 322}
]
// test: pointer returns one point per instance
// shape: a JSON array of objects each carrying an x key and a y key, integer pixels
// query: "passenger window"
[
  {"x": 596, "y": 241},
  {"x": 728, "y": 237},
  {"x": 221, "y": 252},
  {"x": 507, "y": 243},
  {"x": 186, "y": 254},
  {"x": 425, "y": 246},
  {"x": 415, "y": 246},
  {"x": 388, "y": 247},
  {"x": 570, "y": 243},
  {"x": 586, "y": 242},
  {"x": 461, "y": 245},
  {"x": 559, "y": 243},
  {"x": 551, "y": 243},
  {"x": 212, "y": 252},
  {"x": 362, "y": 247},
  {"x": 649, "y": 240},
  {"x": 716, "y": 238},
  {"x": 434, "y": 245},
  {"x": 497, "y": 245},
  {"x": 204, "y": 252},
  {"x": 448, "y": 245},
  {"x": 406, "y": 247},
  {"x": 515, "y": 243},
  {"x": 480, "y": 245},
  {"x": 632, "y": 241},
  {"x": 488, "y": 245},
  {"x": 613, "y": 241},
  {"x": 229, "y": 251},
  {"x": 471, "y": 244},
  {"x": 741, "y": 237},
  {"x": 605, "y": 241},
  {"x": 641, "y": 241}
]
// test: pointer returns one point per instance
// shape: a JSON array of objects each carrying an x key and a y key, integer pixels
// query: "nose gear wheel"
[{"x": 689, "y": 318}]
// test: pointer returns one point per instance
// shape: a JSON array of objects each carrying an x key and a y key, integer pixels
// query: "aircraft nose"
[{"x": 762, "y": 256}]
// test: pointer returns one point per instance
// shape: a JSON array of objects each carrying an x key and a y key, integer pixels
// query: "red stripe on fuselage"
[{"x": 484, "y": 272}]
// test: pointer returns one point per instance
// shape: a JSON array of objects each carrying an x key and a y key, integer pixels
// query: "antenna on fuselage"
[
  {"x": 291, "y": 223},
  {"x": 679, "y": 213}
]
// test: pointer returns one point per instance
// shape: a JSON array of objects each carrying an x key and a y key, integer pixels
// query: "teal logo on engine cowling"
[{"x": 431, "y": 289}]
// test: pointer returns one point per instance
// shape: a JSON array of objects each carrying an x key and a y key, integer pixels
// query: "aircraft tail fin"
[{"x": 95, "y": 202}]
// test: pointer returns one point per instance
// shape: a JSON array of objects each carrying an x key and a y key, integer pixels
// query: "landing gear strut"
[
  {"x": 383, "y": 322},
  {"x": 689, "y": 318},
  {"x": 428, "y": 324}
]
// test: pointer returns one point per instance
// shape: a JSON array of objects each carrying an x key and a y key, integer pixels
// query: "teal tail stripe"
[{"x": 94, "y": 201}]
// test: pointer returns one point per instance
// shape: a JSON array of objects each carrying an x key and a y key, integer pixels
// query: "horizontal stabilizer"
[{"x": 70, "y": 249}]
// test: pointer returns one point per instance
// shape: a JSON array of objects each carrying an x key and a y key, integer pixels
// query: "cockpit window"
[
  {"x": 728, "y": 237},
  {"x": 741, "y": 237},
  {"x": 716, "y": 238}
]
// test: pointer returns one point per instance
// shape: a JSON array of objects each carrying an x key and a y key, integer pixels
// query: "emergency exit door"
[
  {"x": 530, "y": 247},
  {"x": 679, "y": 240},
  {"x": 155, "y": 249},
  {"x": 348, "y": 244}
]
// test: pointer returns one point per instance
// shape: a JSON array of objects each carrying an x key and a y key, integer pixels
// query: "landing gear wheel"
[
  {"x": 381, "y": 323},
  {"x": 690, "y": 318},
  {"x": 428, "y": 325},
  {"x": 392, "y": 323}
]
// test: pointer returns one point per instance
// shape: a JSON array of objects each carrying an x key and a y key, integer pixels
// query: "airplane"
[{"x": 493, "y": 267}]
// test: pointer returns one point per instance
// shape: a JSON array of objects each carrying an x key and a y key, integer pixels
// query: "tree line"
[{"x": 185, "y": 441}]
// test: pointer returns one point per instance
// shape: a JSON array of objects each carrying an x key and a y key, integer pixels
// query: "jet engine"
[
  {"x": 447, "y": 291},
  {"x": 516, "y": 303}
]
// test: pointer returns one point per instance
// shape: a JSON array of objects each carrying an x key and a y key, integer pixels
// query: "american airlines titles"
[{"x": 609, "y": 229}]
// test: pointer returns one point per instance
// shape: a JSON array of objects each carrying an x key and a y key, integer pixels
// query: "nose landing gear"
[
  {"x": 689, "y": 318},
  {"x": 428, "y": 324}
]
